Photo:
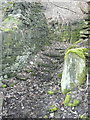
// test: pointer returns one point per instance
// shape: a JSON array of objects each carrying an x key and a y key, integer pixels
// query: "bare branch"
[{"x": 62, "y": 7}]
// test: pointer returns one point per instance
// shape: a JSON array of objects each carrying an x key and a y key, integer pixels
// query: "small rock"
[
  {"x": 62, "y": 108},
  {"x": 51, "y": 115}
]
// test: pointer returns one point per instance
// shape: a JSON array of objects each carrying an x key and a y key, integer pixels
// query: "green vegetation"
[
  {"x": 10, "y": 24},
  {"x": 65, "y": 91},
  {"x": 4, "y": 86},
  {"x": 28, "y": 71},
  {"x": 67, "y": 101},
  {"x": 45, "y": 116},
  {"x": 76, "y": 102},
  {"x": 52, "y": 108},
  {"x": 12, "y": 84},
  {"x": 67, "y": 33},
  {"x": 84, "y": 117},
  {"x": 59, "y": 75},
  {"x": 50, "y": 92}
]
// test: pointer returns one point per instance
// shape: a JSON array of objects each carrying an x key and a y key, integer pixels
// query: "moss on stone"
[
  {"x": 78, "y": 51},
  {"x": 81, "y": 77},
  {"x": 65, "y": 91},
  {"x": 72, "y": 85},
  {"x": 71, "y": 47}
]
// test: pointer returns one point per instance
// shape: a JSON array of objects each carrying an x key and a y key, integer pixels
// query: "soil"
[{"x": 27, "y": 93}]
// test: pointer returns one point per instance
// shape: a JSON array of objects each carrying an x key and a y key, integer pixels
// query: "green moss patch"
[
  {"x": 52, "y": 108},
  {"x": 10, "y": 24},
  {"x": 77, "y": 51},
  {"x": 81, "y": 77},
  {"x": 65, "y": 91},
  {"x": 4, "y": 86},
  {"x": 67, "y": 101},
  {"x": 59, "y": 75},
  {"x": 84, "y": 117},
  {"x": 50, "y": 92},
  {"x": 45, "y": 116},
  {"x": 76, "y": 102}
]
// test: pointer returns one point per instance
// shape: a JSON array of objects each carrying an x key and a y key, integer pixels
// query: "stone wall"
[{"x": 24, "y": 32}]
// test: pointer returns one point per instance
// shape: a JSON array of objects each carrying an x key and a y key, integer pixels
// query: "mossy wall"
[{"x": 24, "y": 32}]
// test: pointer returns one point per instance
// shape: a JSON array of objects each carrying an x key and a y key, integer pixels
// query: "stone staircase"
[{"x": 49, "y": 61}]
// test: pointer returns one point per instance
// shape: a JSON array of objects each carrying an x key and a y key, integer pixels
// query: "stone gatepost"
[{"x": 70, "y": 78}]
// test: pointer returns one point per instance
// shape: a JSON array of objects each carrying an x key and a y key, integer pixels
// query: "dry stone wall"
[{"x": 24, "y": 33}]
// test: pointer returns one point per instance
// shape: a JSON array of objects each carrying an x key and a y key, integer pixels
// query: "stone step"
[
  {"x": 59, "y": 65},
  {"x": 60, "y": 58},
  {"x": 85, "y": 32},
  {"x": 85, "y": 28},
  {"x": 84, "y": 36},
  {"x": 88, "y": 29},
  {"x": 61, "y": 49},
  {"x": 51, "y": 64},
  {"x": 53, "y": 55},
  {"x": 42, "y": 76},
  {"x": 87, "y": 19},
  {"x": 87, "y": 23},
  {"x": 52, "y": 60},
  {"x": 45, "y": 65}
]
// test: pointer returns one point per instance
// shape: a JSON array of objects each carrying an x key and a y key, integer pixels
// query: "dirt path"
[{"x": 30, "y": 96}]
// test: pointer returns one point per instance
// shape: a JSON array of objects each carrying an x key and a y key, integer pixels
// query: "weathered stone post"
[{"x": 74, "y": 69}]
